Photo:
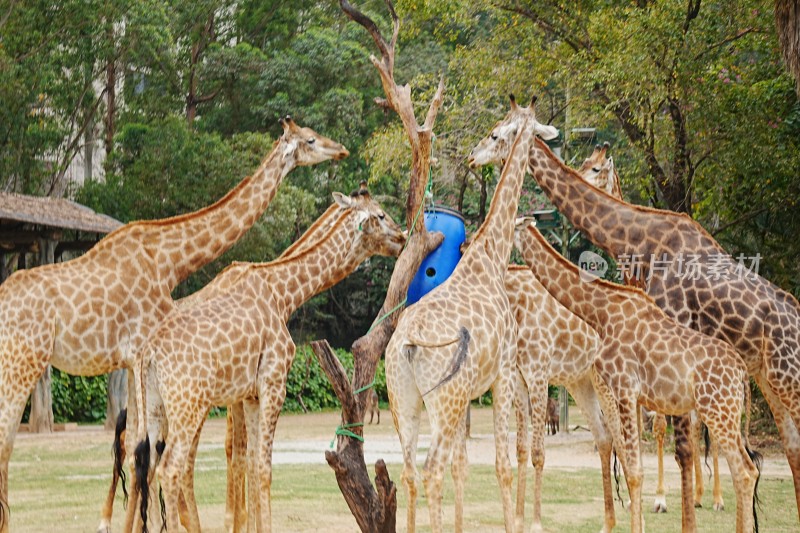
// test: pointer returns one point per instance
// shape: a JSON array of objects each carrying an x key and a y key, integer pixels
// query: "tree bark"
[
  {"x": 41, "y": 415},
  {"x": 40, "y": 419},
  {"x": 375, "y": 508},
  {"x": 117, "y": 396}
]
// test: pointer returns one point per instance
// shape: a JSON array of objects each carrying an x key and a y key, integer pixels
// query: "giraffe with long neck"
[
  {"x": 235, "y": 347},
  {"x": 760, "y": 320},
  {"x": 647, "y": 358},
  {"x": 236, "y": 437},
  {"x": 553, "y": 346},
  {"x": 599, "y": 170},
  {"x": 458, "y": 341},
  {"x": 89, "y": 315}
]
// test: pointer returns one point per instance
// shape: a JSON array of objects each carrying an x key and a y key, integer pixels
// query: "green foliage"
[
  {"x": 78, "y": 398},
  {"x": 308, "y": 387}
]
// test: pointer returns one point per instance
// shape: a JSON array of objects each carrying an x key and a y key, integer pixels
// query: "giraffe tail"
[
  {"x": 118, "y": 451},
  {"x": 142, "y": 455},
  {"x": 757, "y": 459},
  {"x": 458, "y": 358}
]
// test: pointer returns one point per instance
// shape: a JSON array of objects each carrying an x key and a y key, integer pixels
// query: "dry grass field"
[{"x": 58, "y": 482}]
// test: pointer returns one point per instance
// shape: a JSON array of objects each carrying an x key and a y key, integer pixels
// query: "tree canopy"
[{"x": 183, "y": 99}]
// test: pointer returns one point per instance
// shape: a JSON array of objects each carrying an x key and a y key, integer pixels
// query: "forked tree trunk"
[{"x": 375, "y": 510}]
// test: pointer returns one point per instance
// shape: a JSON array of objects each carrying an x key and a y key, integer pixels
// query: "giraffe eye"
[
  {"x": 312, "y": 140},
  {"x": 494, "y": 136},
  {"x": 382, "y": 216},
  {"x": 596, "y": 169}
]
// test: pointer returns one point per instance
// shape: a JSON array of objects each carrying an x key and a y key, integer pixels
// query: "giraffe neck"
[
  {"x": 296, "y": 279},
  {"x": 231, "y": 274},
  {"x": 182, "y": 244},
  {"x": 496, "y": 234},
  {"x": 314, "y": 232},
  {"x": 593, "y": 301},
  {"x": 615, "y": 226}
]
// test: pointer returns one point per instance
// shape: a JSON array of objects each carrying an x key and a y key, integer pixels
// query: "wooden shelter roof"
[
  {"x": 27, "y": 220},
  {"x": 53, "y": 212}
]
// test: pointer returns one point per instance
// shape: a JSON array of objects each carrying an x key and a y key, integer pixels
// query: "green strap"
[
  {"x": 344, "y": 431},
  {"x": 365, "y": 387}
]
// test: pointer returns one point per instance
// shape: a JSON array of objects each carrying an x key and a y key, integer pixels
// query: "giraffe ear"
[
  {"x": 533, "y": 101},
  {"x": 513, "y": 101},
  {"x": 546, "y": 131},
  {"x": 343, "y": 201}
]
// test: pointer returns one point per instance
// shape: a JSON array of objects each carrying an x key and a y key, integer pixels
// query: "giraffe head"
[
  {"x": 521, "y": 224},
  {"x": 378, "y": 234},
  {"x": 307, "y": 147},
  {"x": 593, "y": 165},
  {"x": 496, "y": 147}
]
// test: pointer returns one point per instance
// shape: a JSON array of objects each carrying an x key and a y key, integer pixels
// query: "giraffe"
[
  {"x": 601, "y": 172},
  {"x": 88, "y": 316},
  {"x": 760, "y": 320},
  {"x": 649, "y": 359},
  {"x": 553, "y": 345},
  {"x": 235, "y": 347},
  {"x": 235, "y": 439},
  {"x": 465, "y": 330}
]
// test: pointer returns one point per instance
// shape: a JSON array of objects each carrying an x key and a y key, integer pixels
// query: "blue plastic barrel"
[{"x": 441, "y": 262}]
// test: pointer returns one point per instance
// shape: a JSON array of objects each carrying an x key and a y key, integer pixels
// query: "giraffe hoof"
[
  {"x": 660, "y": 505},
  {"x": 719, "y": 506},
  {"x": 104, "y": 528},
  {"x": 698, "y": 505}
]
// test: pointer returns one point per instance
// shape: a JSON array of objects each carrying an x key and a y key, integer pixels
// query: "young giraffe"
[
  {"x": 760, "y": 320},
  {"x": 89, "y": 315},
  {"x": 647, "y": 358},
  {"x": 600, "y": 171},
  {"x": 464, "y": 326},
  {"x": 236, "y": 347},
  {"x": 553, "y": 345}
]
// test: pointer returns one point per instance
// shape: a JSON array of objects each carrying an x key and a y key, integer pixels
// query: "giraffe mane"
[
  {"x": 638, "y": 208},
  {"x": 144, "y": 224}
]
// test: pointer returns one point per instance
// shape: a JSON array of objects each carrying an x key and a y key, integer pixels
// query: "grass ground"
[{"x": 58, "y": 482}]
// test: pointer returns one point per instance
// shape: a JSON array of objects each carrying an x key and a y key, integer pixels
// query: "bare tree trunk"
[
  {"x": 41, "y": 415},
  {"x": 375, "y": 510},
  {"x": 117, "y": 396}
]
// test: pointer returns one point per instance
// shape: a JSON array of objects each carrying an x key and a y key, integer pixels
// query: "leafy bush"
[{"x": 308, "y": 388}]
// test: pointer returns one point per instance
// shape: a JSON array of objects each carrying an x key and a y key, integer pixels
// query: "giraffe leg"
[
  {"x": 684, "y": 450},
  {"x": 252, "y": 416},
  {"x": 790, "y": 436},
  {"x": 171, "y": 470},
  {"x": 538, "y": 403},
  {"x": 521, "y": 403},
  {"x": 726, "y": 432},
  {"x": 586, "y": 399},
  {"x": 17, "y": 380},
  {"x": 442, "y": 437},
  {"x": 719, "y": 504},
  {"x": 405, "y": 405},
  {"x": 190, "y": 517},
  {"x": 660, "y": 431},
  {"x": 699, "y": 487},
  {"x": 236, "y": 453},
  {"x": 622, "y": 422},
  {"x": 459, "y": 473},
  {"x": 117, "y": 473},
  {"x": 502, "y": 403},
  {"x": 271, "y": 397}
]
